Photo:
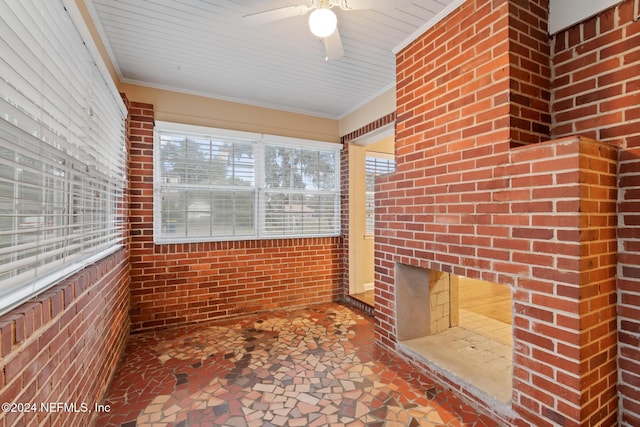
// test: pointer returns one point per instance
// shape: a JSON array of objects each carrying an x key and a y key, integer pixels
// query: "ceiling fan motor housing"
[{"x": 322, "y": 22}]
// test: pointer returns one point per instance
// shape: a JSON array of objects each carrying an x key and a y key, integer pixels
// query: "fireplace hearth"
[{"x": 467, "y": 347}]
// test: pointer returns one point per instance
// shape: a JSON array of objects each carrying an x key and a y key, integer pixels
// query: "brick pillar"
[
  {"x": 141, "y": 122},
  {"x": 597, "y": 94},
  {"x": 564, "y": 297},
  {"x": 529, "y": 72}
]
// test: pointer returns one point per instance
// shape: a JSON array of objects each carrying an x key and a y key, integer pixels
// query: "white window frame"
[{"x": 260, "y": 142}]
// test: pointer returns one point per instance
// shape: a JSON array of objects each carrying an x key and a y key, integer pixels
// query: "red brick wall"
[
  {"x": 369, "y": 127},
  {"x": 596, "y": 93},
  {"x": 565, "y": 341},
  {"x": 176, "y": 284},
  {"x": 540, "y": 218},
  {"x": 63, "y": 346},
  {"x": 529, "y": 68}
]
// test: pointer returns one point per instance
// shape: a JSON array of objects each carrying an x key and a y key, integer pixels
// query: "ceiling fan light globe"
[{"x": 323, "y": 22}]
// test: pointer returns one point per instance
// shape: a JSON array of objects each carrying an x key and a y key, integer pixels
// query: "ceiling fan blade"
[
  {"x": 274, "y": 15},
  {"x": 374, "y": 4},
  {"x": 333, "y": 46}
]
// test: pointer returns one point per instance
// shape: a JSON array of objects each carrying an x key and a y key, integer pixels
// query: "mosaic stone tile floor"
[{"x": 310, "y": 367}]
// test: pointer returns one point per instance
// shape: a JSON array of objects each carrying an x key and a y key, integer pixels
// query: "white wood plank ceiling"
[{"x": 203, "y": 47}]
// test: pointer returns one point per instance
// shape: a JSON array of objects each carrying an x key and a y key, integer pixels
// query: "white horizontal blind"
[
  {"x": 207, "y": 186},
  {"x": 214, "y": 184},
  {"x": 62, "y": 151},
  {"x": 375, "y": 165},
  {"x": 300, "y": 190}
]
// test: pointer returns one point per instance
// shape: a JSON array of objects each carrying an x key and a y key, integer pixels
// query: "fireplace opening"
[{"x": 459, "y": 327}]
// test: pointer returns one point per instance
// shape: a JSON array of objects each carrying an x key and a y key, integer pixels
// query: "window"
[
  {"x": 376, "y": 164},
  {"x": 215, "y": 184},
  {"x": 61, "y": 152}
]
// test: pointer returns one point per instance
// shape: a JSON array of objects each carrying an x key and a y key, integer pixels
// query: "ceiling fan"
[{"x": 322, "y": 20}]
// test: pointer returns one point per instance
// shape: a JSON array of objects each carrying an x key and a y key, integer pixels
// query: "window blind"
[
  {"x": 62, "y": 151},
  {"x": 376, "y": 164}
]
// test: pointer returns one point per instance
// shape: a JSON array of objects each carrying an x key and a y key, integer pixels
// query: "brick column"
[
  {"x": 597, "y": 94},
  {"x": 564, "y": 255}
]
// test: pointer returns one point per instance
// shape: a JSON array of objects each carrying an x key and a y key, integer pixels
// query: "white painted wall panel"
[{"x": 566, "y": 13}]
